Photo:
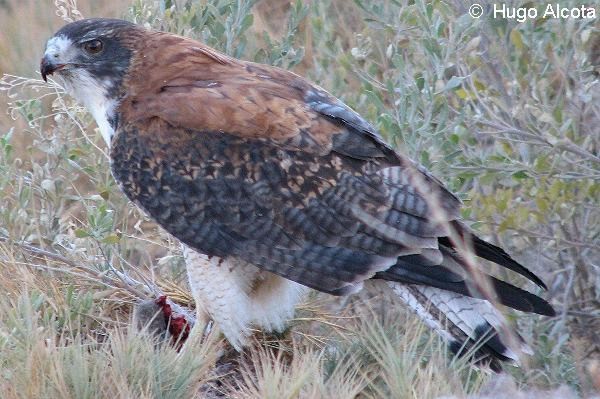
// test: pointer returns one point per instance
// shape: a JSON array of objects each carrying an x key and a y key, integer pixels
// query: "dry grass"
[{"x": 506, "y": 113}]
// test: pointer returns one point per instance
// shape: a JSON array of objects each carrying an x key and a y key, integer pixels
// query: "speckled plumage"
[{"x": 274, "y": 185}]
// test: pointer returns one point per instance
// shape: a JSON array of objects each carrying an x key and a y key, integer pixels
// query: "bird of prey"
[{"x": 274, "y": 186}]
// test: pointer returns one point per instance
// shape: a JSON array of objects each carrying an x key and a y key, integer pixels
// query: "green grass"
[{"x": 505, "y": 113}]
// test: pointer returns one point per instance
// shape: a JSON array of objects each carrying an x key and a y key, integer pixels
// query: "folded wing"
[{"x": 241, "y": 160}]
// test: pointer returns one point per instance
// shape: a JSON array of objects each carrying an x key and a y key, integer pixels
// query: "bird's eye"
[{"x": 93, "y": 46}]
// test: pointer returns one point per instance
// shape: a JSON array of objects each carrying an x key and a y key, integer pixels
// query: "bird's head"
[
  {"x": 89, "y": 48},
  {"x": 90, "y": 58}
]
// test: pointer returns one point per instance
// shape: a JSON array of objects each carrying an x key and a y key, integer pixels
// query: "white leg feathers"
[{"x": 239, "y": 296}]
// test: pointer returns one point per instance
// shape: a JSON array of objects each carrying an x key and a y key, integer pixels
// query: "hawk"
[{"x": 274, "y": 186}]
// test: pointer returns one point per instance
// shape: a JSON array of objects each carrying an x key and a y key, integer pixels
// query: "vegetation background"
[{"x": 506, "y": 113}]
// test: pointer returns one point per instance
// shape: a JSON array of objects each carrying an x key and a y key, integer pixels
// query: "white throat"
[
  {"x": 101, "y": 109},
  {"x": 94, "y": 97},
  {"x": 87, "y": 90}
]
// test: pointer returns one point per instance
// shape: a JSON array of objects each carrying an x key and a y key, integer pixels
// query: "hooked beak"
[{"x": 48, "y": 67}]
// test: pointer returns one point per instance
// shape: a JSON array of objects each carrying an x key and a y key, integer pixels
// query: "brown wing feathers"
[{"x": 237, "y": 159}]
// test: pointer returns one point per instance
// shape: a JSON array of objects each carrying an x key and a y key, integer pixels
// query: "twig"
[{"x": 140, "y": 290}]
